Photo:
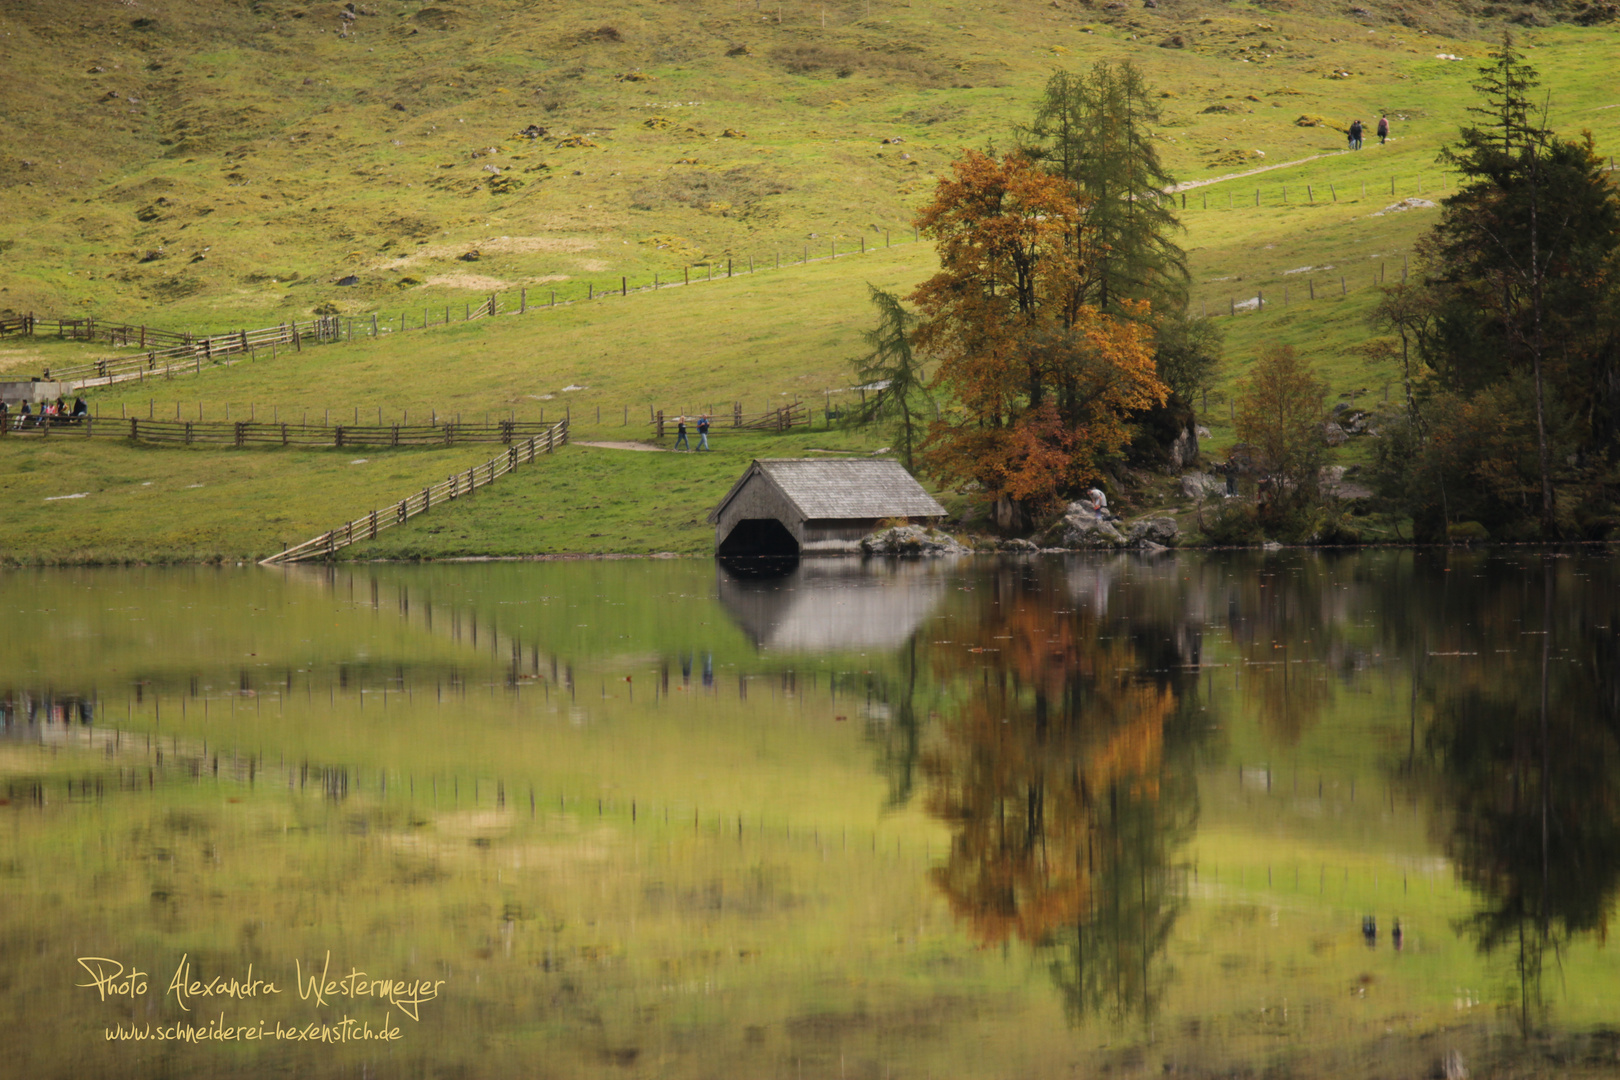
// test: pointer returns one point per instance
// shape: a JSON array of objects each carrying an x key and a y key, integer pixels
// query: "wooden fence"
[
  {"x": 259, "y": 433},
  {"x": 17, "y": 324},
  {"x": 454, "y": 487},
  {"x": 778, "y": 419},
  {"x": 271, "y": 433},
  {"x": 190, "y": 355}
]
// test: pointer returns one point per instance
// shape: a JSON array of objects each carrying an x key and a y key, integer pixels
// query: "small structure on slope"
[{"x": 796, "y": 506}]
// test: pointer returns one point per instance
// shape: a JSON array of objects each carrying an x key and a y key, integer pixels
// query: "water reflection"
[
  {"x": 1066, "y": 780},
  {"x": 986, "y": 819},
  {"x": 1524, "y": 752},
  {"x": 833, "y": 605}
]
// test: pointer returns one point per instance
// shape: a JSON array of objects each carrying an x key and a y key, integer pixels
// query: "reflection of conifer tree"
[
  {"x": 1528, "y": 762},
  {"x": 899, "y": 739},
  {"x": 1108, "y": 962}
]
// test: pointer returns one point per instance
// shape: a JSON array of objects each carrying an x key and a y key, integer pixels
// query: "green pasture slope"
[{"x": 203, "y": 168}]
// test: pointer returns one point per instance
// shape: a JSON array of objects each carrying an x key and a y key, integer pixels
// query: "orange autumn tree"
[{"x": 1042, "y": 382}]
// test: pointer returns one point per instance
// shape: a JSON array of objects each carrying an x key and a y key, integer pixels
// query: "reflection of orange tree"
[
  {"x": 1287, "y": 697},
  {"x": 1052, "y": 778}
]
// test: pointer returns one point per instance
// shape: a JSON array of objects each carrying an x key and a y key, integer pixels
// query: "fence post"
[{"x": 523, "y": 301}]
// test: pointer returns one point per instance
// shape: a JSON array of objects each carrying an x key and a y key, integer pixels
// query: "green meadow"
[{"x": 681, "y": 143}]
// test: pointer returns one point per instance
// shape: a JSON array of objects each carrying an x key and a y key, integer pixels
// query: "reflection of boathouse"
[
  {"x": 795, "y": 506},
  {"x": 836, "y": 605}
]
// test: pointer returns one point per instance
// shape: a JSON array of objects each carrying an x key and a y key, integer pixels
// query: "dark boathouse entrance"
[{"x": 794, "y": 506}]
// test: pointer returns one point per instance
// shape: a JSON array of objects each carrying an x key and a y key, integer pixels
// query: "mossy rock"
[{"x": 1467, "y": 532}]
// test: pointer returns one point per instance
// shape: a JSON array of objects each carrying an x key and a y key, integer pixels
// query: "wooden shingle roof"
[{"x": 833, "y": 489}]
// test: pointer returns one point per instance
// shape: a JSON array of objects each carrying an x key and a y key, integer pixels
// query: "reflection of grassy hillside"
[{"x": 588, "y": 938}]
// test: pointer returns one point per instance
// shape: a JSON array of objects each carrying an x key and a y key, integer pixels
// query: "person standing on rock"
[{"x": 1383, "y": 130}]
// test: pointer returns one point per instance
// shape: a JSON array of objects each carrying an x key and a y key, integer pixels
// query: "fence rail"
[
  {"x": 195, "y": 352},
  {"x": 454, "y": 487},
  {"x": 780, "y": 418},
  {"x": 261, "y": 433}
]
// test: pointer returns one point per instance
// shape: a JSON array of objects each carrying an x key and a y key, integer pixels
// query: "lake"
[{"x": 1280, "y": 814}]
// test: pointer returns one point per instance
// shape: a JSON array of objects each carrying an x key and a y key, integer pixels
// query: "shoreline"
[{"x": 8, "y": 564}]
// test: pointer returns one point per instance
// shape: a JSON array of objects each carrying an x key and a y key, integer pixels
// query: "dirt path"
[
  {"x": 1189, "y": 185},
  {"x": 622, "y": 446}
]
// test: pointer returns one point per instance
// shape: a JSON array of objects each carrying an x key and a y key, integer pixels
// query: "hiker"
[
  {"x": 1099, "y": 501},
  {"x": 1355, "y": 135},
  {"x": 703, "y": 432},
  {"x": 1383, "y": 129},
  {"x": 80, "y": 409},
  {"x": 680, "y": 435}
]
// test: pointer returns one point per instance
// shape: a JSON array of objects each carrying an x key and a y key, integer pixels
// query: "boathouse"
[{"x": 795, "y": 506}]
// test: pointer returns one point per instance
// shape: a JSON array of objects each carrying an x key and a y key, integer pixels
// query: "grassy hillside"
[
  {"x": 212, "y": 168},
  {"x": 216, "y": 164}
]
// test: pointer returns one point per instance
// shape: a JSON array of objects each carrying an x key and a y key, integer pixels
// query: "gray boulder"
[
  {"x": 1156, "y": 531},
  {"x": 1334, "y": 434},
  {"x": 1082, "y": 527},
  {"x": 1197, "y": 485},
  {"x": 910, "y": 540}
]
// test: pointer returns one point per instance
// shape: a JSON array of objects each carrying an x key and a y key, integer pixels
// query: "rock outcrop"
[
  {"x": 1197, "y": 485},
  {"x": 910, "y": 540},
  {"x": 1082, "y": 527},
  {"x": 1157, "y": 531}
]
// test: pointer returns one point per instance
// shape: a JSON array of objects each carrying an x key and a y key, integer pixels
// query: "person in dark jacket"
[
  {"x": 680, "y": 435},
  {"x": 1355, "y": 135}
]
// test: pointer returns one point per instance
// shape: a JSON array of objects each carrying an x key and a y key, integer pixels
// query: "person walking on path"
[
  {"x": 1355, "y": 135},
  {"x": 680, "y": 435},
  {"x": 703, "y": 433},
  {"x": 1383, "y": 129}
]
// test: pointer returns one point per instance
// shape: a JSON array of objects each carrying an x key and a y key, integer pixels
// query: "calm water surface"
[{"x": 1293, "y": 814}]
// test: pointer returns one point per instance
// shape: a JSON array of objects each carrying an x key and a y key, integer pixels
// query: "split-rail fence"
[{"x": 456, "y": 486}]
